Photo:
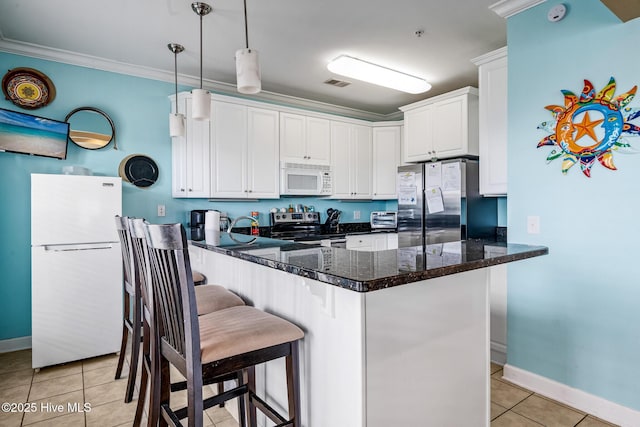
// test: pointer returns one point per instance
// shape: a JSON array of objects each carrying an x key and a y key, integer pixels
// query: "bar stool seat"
[
  {"x": 210, "y": 298},
  {"x": 242, "y": 329},
  {"x": 199, "y": 278}
]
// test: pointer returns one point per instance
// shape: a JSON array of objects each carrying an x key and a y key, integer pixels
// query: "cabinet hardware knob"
[{"x": 190, "y": 189}]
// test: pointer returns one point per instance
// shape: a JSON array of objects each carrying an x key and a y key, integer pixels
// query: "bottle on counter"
[{"x": 255, "y": 227}]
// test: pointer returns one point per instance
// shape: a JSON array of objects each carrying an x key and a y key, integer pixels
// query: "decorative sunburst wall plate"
[
  {"x": 28, "y": 88},
  {"x": 589, "y": 127}
]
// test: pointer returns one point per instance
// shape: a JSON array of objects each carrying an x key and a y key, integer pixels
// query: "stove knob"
[
  {"x": 284, "y": 216},
  {"x": 277, "y": 216}
]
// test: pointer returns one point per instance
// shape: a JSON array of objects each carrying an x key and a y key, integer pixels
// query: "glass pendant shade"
[
  {"x": 248, "y": 71},
  {"x": 176, "y": 124},
  {"x": 200, "y": 104}
]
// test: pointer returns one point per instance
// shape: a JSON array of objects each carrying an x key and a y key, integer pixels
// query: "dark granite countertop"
[{"x": 369, "y": 271}]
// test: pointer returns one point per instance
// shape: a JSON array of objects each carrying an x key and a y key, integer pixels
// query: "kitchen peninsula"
[{"x": 394, "y": 337}]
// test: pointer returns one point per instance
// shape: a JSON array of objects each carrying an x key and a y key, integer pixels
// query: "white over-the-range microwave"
[{"x": 299, "y": 179}]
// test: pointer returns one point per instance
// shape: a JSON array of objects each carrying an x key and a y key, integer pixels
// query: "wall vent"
[{"x": 337, "y": 83}]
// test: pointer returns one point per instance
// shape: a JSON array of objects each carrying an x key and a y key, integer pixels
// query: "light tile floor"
[{"x": 49, "y": 392}]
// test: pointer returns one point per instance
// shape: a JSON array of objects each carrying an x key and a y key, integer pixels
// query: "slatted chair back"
[
  {"x": 141, "y": 259},
  {"x": 122, "y": 225},
  {"x": 173, "y": 287},
  {"x": 175, "y": 307}
]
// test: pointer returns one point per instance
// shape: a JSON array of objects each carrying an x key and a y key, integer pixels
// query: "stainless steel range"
[
  {"x": 302, "y": 227},
  {"x": 295, "y": 225}
]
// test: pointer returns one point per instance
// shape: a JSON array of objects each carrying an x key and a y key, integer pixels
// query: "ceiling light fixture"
[
  {"x": 247, "y": 64},
  {"x": 200, "y": 98},
  {"x": 366, "y": 71},
  {"x": 176, "y": 120}
]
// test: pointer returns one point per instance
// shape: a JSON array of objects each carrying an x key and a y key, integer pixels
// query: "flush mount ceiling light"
[
  {"x": 176, "y": 120},
  {"x": 200, "y": 99},
  {"x": 366, "y": 71},
  {"x": 247, "y": 64}
]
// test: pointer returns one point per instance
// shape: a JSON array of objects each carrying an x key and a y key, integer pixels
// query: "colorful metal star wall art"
[{"x": 589, "y": 127}]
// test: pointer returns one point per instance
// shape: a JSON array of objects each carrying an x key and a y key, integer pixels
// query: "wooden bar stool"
[
  {"x": 215, "y": 344},
  {"x": 209, "y": 298},
  {"x": 131, "y": 322}
]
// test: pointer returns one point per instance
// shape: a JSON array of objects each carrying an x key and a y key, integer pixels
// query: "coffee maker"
[{"x": 197, "y": 224}]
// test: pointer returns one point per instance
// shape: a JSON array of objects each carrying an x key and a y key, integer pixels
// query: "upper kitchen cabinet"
[
  {"x": 305, "y": 139},
  {"x": 190, "y": 155},
  {"x": 386, "y": 159},
  {"x": 245, "y": 153},
  {"x": 441, "y": 127},
  {"x": 492, "y": 69},
  {"x": 351, "y": 160}
]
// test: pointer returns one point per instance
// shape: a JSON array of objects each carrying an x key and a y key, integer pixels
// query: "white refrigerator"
[{"x": 76, "y": 268}]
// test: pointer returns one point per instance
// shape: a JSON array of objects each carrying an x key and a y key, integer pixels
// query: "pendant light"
[
  {"x": 247, "y": 64},
  {"x": 200, "y": 98},
  {"x": 176, "y": 120}
]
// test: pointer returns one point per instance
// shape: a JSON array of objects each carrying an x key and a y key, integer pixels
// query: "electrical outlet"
[
  {"x": 161, "y": 210},
  {"x": 533, "y": 224},
  {"x": 356, "y": 214}
]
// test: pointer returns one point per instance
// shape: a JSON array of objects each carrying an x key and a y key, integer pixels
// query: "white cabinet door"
[
  {"x": 418, "y": 134},
  {"x": 292, "y": 137},
  {"x": 340, "y": 160},
  {"x": 367, "y": 242},
  {"x": 351, "y": 160},
  {"x": 263, "y": 154},
  {"x": 361, "y": 161},
  {"x": 318, "y": 141},
  {"x": 305, "y": 139},
  {"x": 386, "y": 159},
  {"x": 449, "y": 127},
  {"x": 493, "y": 75},
  {"x": 190, "y": 156},
  {"x": 443, "y": 127},
  {"x": 392, "y": 241},
  {"x": 229, "y": 146}
]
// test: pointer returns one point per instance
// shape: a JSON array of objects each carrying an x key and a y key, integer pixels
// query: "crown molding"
[
  {"x": 508, "y": 8},
  {"x": 88, "y": 61},
  {"x": 490, "y": 56}
]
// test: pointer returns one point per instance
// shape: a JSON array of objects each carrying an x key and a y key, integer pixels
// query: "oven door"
[{"x": 300, "y": 182}]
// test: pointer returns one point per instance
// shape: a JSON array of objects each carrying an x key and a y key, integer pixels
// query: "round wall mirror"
[{"x": 91, "y": 128}]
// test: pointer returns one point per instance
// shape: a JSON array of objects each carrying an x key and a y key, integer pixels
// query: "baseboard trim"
[
  {"x": 594, "y": 405},
  {"x": 15, "y": 344},
  {"x": 498, "y": 353}
]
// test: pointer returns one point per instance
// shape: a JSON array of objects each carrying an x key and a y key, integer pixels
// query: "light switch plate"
[
  {"x": 533, "y": 224},
  {"x": 161, "y": 210}
]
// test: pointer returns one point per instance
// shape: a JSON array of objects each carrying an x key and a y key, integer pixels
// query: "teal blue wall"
[
  {"x": 573, "y": 316},
  {"x": 140, "y": 108}
]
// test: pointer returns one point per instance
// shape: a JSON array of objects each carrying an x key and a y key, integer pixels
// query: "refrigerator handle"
[{"x": 82, "y": 247}]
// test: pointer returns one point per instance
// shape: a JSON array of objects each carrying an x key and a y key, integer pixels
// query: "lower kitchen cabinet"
[
  {"x": 351, "y": 160},
  {"x": 386, "y": 159},
  {"x": 372, "y": 242},
  {"x": 190, "y": 175},
  {"x": 245, "y": 152}
]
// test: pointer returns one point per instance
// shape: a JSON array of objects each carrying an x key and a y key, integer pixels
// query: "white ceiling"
[{"x": 295, "y": 38}]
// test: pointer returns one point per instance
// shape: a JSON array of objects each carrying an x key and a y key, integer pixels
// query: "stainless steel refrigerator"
[{"x": 439, "y": 202}]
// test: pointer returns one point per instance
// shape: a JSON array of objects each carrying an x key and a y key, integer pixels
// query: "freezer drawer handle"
[{"x": 59, "y": 248}]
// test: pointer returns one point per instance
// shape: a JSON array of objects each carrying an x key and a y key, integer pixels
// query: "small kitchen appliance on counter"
[
  {"x": 196, "y": 225},
  {"x": 383, "y": 220}
]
